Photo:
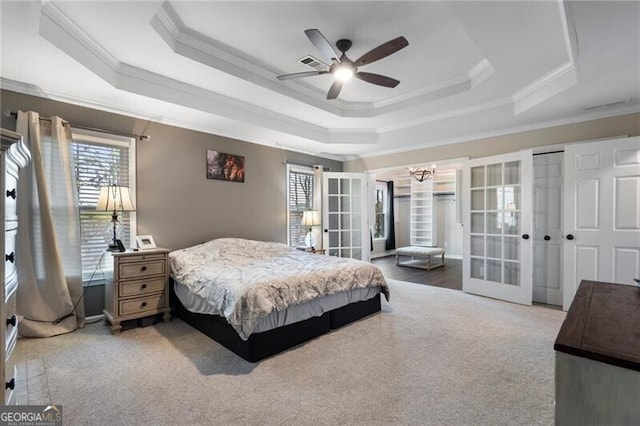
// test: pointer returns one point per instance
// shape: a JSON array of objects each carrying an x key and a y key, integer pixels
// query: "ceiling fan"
[{"x": 344, "y": 68}]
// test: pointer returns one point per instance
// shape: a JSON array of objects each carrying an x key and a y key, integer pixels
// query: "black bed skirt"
[{"x": 271, "y": 342}]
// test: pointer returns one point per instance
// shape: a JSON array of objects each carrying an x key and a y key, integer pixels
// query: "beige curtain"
[{"x": 49, "y": 293}]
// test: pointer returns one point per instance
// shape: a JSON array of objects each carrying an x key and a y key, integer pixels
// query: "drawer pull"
[
  {"x": 11, "y": 384},
  {"x": 143, "y": 286},
  {"x": 11, "y": 193},
  {"x": 11, "y": 257},
  {"x": 144, "y": 268},
  {"x": 12, "y": 321},
  {"x": 143, "y": 304}
]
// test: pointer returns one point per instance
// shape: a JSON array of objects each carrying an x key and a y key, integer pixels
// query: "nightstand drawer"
[
  {"x": 141, "y": 269},
  {"x": 136, "y": 288},
  {"x": 151, "y": 303}
]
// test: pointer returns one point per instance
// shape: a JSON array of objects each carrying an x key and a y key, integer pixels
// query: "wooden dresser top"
[{"x": 603, "y": 324}]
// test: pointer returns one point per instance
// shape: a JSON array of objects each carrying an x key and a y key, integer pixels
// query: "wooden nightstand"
[
  {"x": 318, "y": 251},
  {"x": 139, "y": 288}
]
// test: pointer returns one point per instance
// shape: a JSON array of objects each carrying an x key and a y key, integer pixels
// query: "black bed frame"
[{"x": 271, "y": 342}]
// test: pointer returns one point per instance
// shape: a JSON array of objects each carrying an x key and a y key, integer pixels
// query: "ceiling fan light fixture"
[{"x": 343, "y": 72}]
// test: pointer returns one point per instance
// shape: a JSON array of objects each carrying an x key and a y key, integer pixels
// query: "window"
[
  {"x": 299, "y": 199},
  {"x": 379, "y": 230},
  {"x": 99, "y": 160}
]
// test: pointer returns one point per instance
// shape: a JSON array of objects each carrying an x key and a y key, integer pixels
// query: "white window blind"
[
  {"x": 101, "y": 161},
  {"x": 299, "y": 200}
]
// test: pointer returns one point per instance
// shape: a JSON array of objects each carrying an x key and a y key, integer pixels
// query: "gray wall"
[{"x": 176, "y": 203}]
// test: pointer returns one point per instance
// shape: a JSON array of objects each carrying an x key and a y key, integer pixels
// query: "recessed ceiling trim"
[
  {"x": 545, "y": 87},
  {"x": 601, "y": 114},
  {"x": 558, "y": 79},
  {"x": 191, "y": 44},
  {"x": 71, "y": 39},
  {"x": 196, "y": 46},
  {"x": 476, "y": 75}
]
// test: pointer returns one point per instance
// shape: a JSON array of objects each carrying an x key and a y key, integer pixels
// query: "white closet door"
[
  {"x": 547, "y": 228},
  {"x": 601, "y": 213},
  {"x": 346, "y": 229},
  {"x": 497, "y": 227}
]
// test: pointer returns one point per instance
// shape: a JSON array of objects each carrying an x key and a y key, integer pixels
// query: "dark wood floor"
[{"x": 449, "y": 276}]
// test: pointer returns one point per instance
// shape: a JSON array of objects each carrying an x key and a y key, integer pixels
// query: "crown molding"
[
  {"x": 557, "y": 80},
  {"x": 191, "y": 44},
  {"x": 71, "y": 39},
  {"x": 581, "y": 118},
  {"x": 545, "y": 87}
]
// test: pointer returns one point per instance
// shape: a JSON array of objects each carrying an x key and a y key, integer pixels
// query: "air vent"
[
  {"x": 607, "y": 105},
  {"x": 313, "y": 63}
]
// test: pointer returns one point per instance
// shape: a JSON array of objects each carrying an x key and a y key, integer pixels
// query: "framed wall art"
[{"x": 222, "y": 166}]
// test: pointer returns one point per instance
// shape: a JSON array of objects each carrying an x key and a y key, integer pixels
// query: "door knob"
[
  {"x": 525, "y": 236},
  {"x": 569, "y": 237},
  {"x": 12, "y": 321},
  {"x": 326, "y": 230},
  {"x": 547, "y": 238}
]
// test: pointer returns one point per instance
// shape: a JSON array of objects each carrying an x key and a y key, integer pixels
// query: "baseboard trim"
[{"x": 452, "y": 256}]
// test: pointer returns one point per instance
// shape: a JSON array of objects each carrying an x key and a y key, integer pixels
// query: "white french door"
[
  {"x": 497, "y": 227},
  {"x": 345, "y": 215},
  {"x": 601, "y": 213}
]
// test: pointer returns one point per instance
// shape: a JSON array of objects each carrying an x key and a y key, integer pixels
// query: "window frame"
[
  {"x": 382, "y": 187},
  {"x": 308, "y": 170},
  {"x": 130, "y": 143}
]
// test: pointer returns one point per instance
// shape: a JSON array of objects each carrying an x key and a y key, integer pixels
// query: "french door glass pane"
[
  {"x": 494, "y": 174},
  {"x": 494, "y": 247},
  {"x": 495, "y": 222},
  {"x": 477, "y": 177},
  {"x": 477, "y": 268},
  {"x": 477, "y": 199},
  {"x": 477, "y": 245},
  {"x": 494, "y": 270},
  {"x": 477, "y": 223}
]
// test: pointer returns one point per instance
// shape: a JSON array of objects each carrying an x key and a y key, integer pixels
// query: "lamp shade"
[
  {"x": 115, "y": 198},
  {"x": 310, "y": 218}
]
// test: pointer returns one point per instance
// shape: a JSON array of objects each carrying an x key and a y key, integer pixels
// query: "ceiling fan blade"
[
  {"x": 380, "y": 80},
  {"x": 322, "y": 44},
  {"x": 300, "y": 75},
  {"x": 334, "y": 90},
  {"x": 382, "y": 51}
]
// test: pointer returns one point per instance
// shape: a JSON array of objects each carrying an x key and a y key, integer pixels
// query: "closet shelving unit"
[{"x": 422, "y": 227}]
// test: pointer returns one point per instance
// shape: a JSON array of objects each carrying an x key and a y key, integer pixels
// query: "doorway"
[
  {"x": 443, "y": 223},
  {"x": 548, "y": 196}
]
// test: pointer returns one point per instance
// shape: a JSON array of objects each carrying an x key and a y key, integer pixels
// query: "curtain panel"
[
  {"x": 390, "y": 241},
  {"x": 49, "y": 295}
]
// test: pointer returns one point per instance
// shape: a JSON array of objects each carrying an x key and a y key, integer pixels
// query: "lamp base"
[
  {"x": 116, "y": 245},
  {"x": 310, "y": 239}
]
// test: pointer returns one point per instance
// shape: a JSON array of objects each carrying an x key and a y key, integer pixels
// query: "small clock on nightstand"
[{"x": 139, "y": 287}]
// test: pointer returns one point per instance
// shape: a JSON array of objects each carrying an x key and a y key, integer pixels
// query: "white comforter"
[{"x": 244, "y": 280}]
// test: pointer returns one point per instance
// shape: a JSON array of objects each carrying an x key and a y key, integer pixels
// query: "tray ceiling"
[{"x": 471, "y": 68}]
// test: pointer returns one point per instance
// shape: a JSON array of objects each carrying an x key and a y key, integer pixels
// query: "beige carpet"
[{"x": 433, "y": 356}]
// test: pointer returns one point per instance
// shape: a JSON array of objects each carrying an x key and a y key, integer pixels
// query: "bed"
[{"x": 259, "y": 298}]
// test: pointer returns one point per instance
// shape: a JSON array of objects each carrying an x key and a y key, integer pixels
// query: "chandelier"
[{"x": 422, "y": 173}]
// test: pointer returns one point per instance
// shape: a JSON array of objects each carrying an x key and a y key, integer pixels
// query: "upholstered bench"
[{"x": 422, "y": 254}]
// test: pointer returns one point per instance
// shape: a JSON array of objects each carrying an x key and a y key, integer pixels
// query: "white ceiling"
[{"x": 471, "y": 69}]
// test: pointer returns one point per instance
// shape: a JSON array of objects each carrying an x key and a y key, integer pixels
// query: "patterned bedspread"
[{"x": 244, "y": 280}]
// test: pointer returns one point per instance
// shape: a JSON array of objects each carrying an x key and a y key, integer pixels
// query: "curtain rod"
[{"x": 94, "y": 129}]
